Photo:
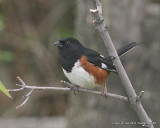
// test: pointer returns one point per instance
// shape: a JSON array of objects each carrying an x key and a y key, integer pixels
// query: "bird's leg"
[
  {"x": 104, "y": 92},
  {"x": 75, "y": 88}
]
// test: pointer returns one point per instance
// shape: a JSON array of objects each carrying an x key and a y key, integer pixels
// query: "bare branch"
[
  {"x": 69, "y": 87},
  {"x": 100, "y": 26},
  {"x": 97, "y": 92},
  {"x": 25, "y": 101}
]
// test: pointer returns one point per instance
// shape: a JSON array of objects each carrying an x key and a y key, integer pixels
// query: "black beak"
[{"x": 58, "y": 44}]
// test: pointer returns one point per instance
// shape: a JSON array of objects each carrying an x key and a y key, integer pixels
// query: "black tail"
[{"x": 121, "y": 51}]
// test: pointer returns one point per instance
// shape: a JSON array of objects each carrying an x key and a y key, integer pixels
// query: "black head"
[
  {"x": 70, "y": 51},
  {"x": 68, "y": 43},
  {"x": 69, "y": 47}
]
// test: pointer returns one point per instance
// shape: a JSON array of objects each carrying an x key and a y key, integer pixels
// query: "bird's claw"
[
  {"x": 104, "y": 94},
  {"x": 75, "y": 89}
]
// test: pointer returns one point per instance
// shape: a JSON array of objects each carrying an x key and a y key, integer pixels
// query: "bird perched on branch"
[{"x": 85, "y": 67}]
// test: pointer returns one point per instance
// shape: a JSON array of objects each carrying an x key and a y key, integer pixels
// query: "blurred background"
[{"x": 28, "y": 29}]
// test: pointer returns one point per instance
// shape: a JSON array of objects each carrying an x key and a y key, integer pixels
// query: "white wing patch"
[
  {"x": 102, "y": 56},
  {"x": 103, "y": 66}
]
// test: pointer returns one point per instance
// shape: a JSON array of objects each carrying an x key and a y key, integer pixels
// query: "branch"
[
  {"x": 69, "y": 87},
  {"x": 100, "y": 26}
]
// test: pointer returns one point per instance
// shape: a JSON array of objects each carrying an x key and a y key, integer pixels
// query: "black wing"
[
  {"x": 98, "y": 60},
  {"x": 105, "y": 62}
]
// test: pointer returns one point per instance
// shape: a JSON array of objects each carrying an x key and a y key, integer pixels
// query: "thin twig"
[
  {"x": 27, "y": 98},
  {"x": 97, "y": 92},
  {"x": 100, "y": 26},
  {"x": 139, "y": 97},
  {"x": 69, "y": 87}
]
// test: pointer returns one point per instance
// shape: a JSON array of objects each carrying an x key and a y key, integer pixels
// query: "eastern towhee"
[{"x": 85, "y": 67}]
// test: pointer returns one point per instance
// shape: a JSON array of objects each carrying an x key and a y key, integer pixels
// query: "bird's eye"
[{"x": 67, "y": 42}]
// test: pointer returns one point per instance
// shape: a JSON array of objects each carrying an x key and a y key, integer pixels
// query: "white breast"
[{"x": 80, "y": 77}]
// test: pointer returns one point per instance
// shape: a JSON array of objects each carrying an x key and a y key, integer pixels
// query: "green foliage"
[
  {"x": 6, "y": 56},
  {"x": 3, "y": 89}
]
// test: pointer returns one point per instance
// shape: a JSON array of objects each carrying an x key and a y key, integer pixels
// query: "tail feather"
[
  {"x": 121, "y": 51},
  {"x": 126, "y": 48}
]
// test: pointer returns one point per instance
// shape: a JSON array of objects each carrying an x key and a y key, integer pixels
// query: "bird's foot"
[
  {"x": 104, "y": 92},
  {"x": 75, "y": 88}
]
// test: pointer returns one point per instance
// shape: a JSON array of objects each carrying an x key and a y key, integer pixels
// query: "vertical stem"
[{"x": 100, "y": 26}]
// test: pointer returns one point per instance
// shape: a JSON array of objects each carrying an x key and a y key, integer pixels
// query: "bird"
[{"x": 84, "y": 67}]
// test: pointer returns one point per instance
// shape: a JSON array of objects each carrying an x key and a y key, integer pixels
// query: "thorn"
[
  {"x": 67, "y": 84},
  {"x": 62, "y": 81},
  {"x": 17, "y": 77},
  {"x": 18, "y": 85},
  {"x": 19, "y": 106},
  {"x": 94, "y": 10},
  {"x": 94, "y": 23},
  {"x": 139, "y": 97}
]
